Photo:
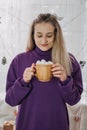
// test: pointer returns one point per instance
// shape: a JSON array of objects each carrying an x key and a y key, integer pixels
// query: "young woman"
[{"x": 42, "y": 105}]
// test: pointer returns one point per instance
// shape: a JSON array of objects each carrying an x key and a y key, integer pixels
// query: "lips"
[{"x": 44, "y": 45}]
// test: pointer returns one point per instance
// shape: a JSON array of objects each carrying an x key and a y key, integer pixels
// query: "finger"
[
  {"x": 55, "y": 65},
  {"x": 32, "y": 73},
  {"x": 57, "y": 76},
  {"x": 57, "y": 72},
  {"x": 28, "y": 70},
  {"x": 33, "y": 67},
  {"x": 33, "y": 64},
  {"x": 58, "y": 69},
  {"x": 28, "y": 76}
]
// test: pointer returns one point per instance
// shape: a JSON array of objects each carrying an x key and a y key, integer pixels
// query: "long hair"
[{"x": 59, "y": 52}]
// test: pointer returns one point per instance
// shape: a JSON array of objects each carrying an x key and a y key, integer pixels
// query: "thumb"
[{"x": 33, "y": 65}]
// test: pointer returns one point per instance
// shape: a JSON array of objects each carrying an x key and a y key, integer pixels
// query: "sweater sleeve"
[
  {"x": 72, "y": 88},
  {"x": 16, "y": 88}
]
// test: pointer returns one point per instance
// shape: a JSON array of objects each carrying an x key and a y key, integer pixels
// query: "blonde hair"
[{"x": 59, "y": 53}]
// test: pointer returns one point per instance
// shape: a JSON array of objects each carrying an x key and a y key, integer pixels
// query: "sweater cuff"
[
  {"x": 24, "y": 84},
  {"x": 63, "y": 83}
]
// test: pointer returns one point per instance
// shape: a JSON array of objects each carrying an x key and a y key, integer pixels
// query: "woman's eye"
[
  {"x": 39, "y": 36},
  {"x": 49, "y": 36}
]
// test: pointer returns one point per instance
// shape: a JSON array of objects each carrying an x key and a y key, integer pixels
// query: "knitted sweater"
[{"x": 41, "y": 105}]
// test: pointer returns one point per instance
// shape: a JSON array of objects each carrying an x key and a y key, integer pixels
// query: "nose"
[{"x": 44, "y": 40}]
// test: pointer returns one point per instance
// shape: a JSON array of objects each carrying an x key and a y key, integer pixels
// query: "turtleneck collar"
[{"x": 44, "y": 53}]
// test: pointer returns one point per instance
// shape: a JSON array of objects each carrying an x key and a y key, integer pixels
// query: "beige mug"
[{"x": 43, "y": 72}]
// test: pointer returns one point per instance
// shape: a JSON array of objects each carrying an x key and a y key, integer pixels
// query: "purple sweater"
[{"x": 42, "y": 105}]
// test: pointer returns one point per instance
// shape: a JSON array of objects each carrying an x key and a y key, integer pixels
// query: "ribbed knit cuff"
[
  {"x": 65, "y": 81},
  {"x": 24, "y": 84}
]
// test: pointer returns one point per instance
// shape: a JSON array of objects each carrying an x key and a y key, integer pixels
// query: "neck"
[{"x": 41, "y": 52}]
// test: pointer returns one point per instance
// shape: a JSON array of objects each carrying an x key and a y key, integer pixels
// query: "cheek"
[
  {"x": 51, "y": 43},
  {"x": 51, "y": 40},
  {"x": 37, "y": 41}
]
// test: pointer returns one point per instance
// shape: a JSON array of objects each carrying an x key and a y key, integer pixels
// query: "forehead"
[{"x": 44, "y": 27}]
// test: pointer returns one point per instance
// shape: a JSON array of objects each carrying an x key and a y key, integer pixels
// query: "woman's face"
[{"x": 44, "y": 36}]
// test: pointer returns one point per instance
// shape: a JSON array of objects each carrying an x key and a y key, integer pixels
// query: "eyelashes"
[{"x": 42, "y": 36}]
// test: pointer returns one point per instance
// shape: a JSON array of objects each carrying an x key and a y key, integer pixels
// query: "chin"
[{"x": 44, "y": 49}]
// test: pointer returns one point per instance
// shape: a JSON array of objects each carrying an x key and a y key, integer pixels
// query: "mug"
[{"x": 43, "y": 72}]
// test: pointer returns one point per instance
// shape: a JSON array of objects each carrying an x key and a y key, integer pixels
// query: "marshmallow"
[{"x": 44, "y": 62}]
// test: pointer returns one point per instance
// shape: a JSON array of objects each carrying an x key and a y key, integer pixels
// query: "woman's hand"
[
  {"x": 29, "y": 73},
  {"x": 59, "y": 72}
]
